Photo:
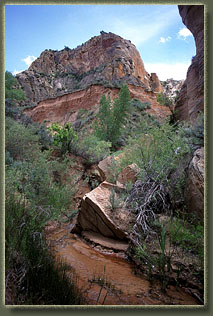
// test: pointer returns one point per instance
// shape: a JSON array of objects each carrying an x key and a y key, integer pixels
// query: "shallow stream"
[{"x": 109, "y": 279}]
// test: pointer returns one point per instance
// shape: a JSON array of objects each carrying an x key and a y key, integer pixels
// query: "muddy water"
[{"x": 109, "y": 279}]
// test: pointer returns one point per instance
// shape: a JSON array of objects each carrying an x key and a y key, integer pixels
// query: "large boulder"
[
  {"x": 194, "y": 192},
  {"x": 191, "y": 98},
  {"x": 128, "y": 174},
  {"x": 97, "y": 214},
  {"x": 102, "y": 210}
]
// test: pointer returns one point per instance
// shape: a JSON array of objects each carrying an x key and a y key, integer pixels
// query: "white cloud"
[
  {"x": 28, "y": 60},
  {"x": 165, "y": 71},
  {"x": 140, "y": 31},
  {"x": 184, "y": 33},
  {"x": 165, "y": 39},
  {"x": 15, "y": 72}
]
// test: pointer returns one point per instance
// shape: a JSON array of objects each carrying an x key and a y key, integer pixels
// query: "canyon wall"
[{"x": 191, "y": 98}]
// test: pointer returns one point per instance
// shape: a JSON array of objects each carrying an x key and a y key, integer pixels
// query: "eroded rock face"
[
  {"x": 194, "y": 192},
  {"x": 105, "y": 59},
  {"x": 59, "y": 83},
  {"x": 191, "y": 98},
  {"x": 156, "y": 84},
  {"x": 63, "y": 109}
]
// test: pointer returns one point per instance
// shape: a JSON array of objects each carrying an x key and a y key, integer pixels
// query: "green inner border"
[{"x": 206, "y": 309}]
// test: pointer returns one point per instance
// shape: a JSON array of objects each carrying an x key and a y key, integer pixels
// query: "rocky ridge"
[
  {"x": 106, "y": 59},
  {"x": 59, "y": 83}
]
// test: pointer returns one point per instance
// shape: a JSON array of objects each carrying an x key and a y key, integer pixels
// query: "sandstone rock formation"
[
  {"x": 105, "y": 59},
  {"x": 59, "y": 83},
  {"x": 128, "y": 174},
  {"x": 108, "y": 170},
  {"x": 191, "y": 98},
  {"x": 63, "y": 109},
  {"x": 97, "y": 212},
  {"x": 156, "y": 84},
  {"x": 96, "y": 215},
  {"x": 106, "y": 242},
  {"x": 194, "y": 192}
]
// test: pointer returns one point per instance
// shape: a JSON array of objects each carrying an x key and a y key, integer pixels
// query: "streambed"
[{"x": 108, "y": 278}]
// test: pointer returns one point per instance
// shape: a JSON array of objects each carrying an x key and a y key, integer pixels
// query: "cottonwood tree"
[{"x": 112, "y": 116}]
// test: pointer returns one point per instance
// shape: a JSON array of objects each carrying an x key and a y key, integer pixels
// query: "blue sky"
[{"x": 166, "y": 46}]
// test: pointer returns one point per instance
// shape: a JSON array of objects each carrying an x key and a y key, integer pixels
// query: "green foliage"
[
  {"x": 157, "y": 262},
  {"x": 35, "y": 180},
  {"x": 136, "y": 103},
  {"x": 63, "y": 136},
  {"x": 93, "y": 149},
  {"x": 188, "y": 236},
  {"x": 159, "y": 152},
  {"x": 114, "y": 201},
  {"x": 111, "y": 117},
  {"x": 10, "y": 91},
  {"x": 164, "y": 100},
  {"x": 113, "y": 170},
  {"x": 195, "y": 132},
  {"x": 20, "y": 142},
  {"x": 30, "y": 268}
]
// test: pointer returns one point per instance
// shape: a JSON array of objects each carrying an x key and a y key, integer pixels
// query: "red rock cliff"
[
  {"x": 191, "y": 98},
  {"x": 106, "y": 59}
]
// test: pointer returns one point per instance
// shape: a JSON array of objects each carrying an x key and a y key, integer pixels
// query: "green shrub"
[
  {"x": 114, "y": 201},
  {"x": 20, "y": 141},
  {"x": 164, "y": 100},
  {"x": 160, "y": 156},
  {"x": 140, "y": 105},
  {"x": 29, "y": 267},
  {"x": 35, "y": 180},
  {"x": 188, "y": 236},
  {"x": 63, "y": 136},
  {"x": 157, "y": 152},
  {"x": 195, "y": 132},
  {"x": 10, "y": 91},
  {"x": 92, "y": 149}
]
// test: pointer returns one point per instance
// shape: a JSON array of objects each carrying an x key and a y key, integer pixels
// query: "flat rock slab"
[{"x": 105, "y": 241}]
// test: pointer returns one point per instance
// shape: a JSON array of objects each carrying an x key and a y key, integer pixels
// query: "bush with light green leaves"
[{"x": 64, "y": 137}]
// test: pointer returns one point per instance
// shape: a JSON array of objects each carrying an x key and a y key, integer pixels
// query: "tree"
[
  {"x": 111, "y": 117},
  {"x": 10, "y": 91},
  {"x": 63, "y": 136}
]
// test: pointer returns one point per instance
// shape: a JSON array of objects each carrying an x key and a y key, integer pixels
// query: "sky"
[{"x": 165, "y": 45}]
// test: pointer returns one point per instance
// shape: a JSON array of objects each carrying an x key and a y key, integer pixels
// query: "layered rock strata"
[
  {"x": 191, "y": 99},
  {"x": 63, "y": 109},
  {"x": 59, "y": 83},
  {"x": 106, "y": 59}
]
